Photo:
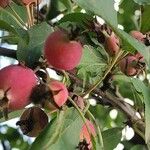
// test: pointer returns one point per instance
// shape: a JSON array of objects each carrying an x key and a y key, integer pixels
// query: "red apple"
[
  {"x": 17, "y": 81},
  {"x": 62, "y": 53}
]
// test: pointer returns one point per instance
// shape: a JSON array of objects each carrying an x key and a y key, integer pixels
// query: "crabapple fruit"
[
  {"x": 62, "y": 53},
  {"x": 112, "y": 44},
  {"x": 138, "y": 35},
  {"x": 4, "y": 3},
  {"x": 128, "y": 65},
  {"x": 59, "y": 92},
  {"x": 17, "y": 83},
  {"x": 85, "y": 134},
  {"x": 33, "y": 121}
]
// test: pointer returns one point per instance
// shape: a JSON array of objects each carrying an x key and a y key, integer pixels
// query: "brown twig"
[{"x": 8, "y": 52}]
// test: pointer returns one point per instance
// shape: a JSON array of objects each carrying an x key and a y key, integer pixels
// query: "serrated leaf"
[
  {"x": 92, "y": 65},
  {"x": 142, "y": 88},
  {"x": 62, "y": 134},
  {"x": 31, "y": 53},
  {"x": 102, "y": 8},
  {"x": 111, "y": 138}
]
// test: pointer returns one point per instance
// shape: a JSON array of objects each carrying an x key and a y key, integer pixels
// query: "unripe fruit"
[
  {"x": 138, "y": 35},
  {"x": 62, "y": 53},
  {"x": 17, "y": 81},
  {"x": 59, "y": 92},
  {"x": 128, "y": 65},
  {"x": 33, "y": 121},
  {"x": 84, "y": 134},
  {"x": 112, "y": 45},
  {"x": 4, "y": 3}
]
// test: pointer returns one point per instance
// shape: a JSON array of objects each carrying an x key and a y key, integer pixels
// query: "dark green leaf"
[
  {"x": 142, "y": 88},
  {"x": 145, "y": 24},
  {"x": 138, "y": 147},
  {"x": 62, "y": 133},
  {"x": 111, "y": 138},
  {"x": 10, "y": 23},
  {"x": 92, "y": 65},
  {"x": 31, "y": 53},
  {"x": 79, "y": 18},
  {"x": 102, "y": 8},
  {"x": 126, "y": 14}
]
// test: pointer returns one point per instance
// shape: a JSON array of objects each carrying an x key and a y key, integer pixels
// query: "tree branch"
[
  {"x": 108, "y": 98},
  {"x": 8, "y": 52}
]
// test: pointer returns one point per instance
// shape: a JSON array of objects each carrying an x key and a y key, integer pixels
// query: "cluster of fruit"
[
  {"x": 131, "y": 64},
  {"x": 20, "y": 86}
]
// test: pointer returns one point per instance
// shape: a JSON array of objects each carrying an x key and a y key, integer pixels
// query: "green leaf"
[
  {"x": 21, "y": 11},
  {"x": 79, "y": 18},
  {"x": 102, "y": 8},
  {"x": 145, "y": 24},
  {"x": 67, "y": 4},
  {"x": 111, "y": 138},
  {"x": 126, "y": 14},
  {"x": 142, "y": 2},
  {"x": 10, "y": 23},
  {"x": 31, "y": 53},
  {"x": 127, "y": 90},
  {"x": 62, "y": 133},
  {"x": 92, "y": 64},
  {"x": 138, "y": 147},
  {"x": 142, "y": 88}
]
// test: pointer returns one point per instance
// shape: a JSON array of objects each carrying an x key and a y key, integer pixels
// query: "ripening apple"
[
  {"x": 86, "y": 135},
  {"x": 61, "y": 52},
  {"x": 16, "y": 82},
  {"x": 112, "y": 44},
  {"x": 138, "y": 35},
  {"x": 128, "y": 65}
]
